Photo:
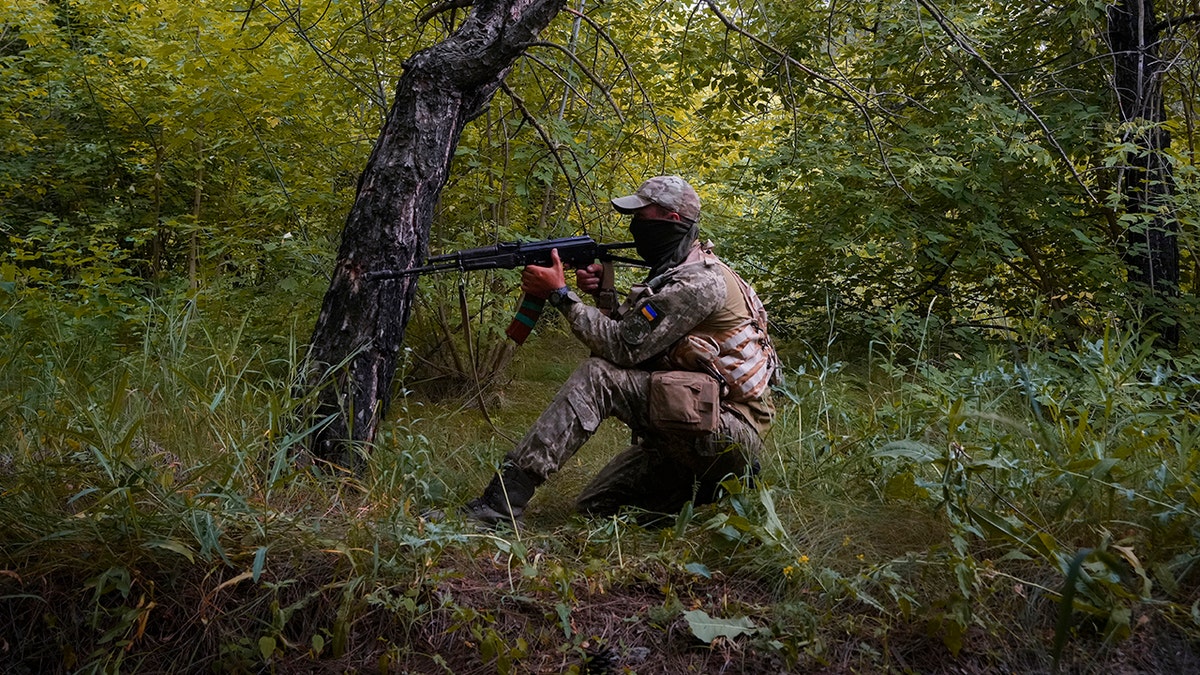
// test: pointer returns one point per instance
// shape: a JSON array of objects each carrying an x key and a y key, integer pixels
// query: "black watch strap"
[{"x": 560, "y": 297}]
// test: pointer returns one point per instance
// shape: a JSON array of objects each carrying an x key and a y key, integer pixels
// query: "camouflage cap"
[{"x": 669, "y": 192}]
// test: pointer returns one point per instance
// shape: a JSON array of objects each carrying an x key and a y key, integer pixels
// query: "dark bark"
[
  {"x": 361, "y": 326},
  {"x": 1152, "y": 247}
]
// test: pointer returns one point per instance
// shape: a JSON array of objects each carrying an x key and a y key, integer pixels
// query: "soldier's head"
[
  {"x": 669, "y": 193},
  {"x": 664, "y": 212}
]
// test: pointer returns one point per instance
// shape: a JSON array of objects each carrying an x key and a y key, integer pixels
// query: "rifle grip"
[
  {"x": 606, "y": 295},
  {"x": 527, "y": 315}
]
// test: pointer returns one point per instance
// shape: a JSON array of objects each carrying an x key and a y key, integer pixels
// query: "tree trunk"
[
  {"x": 1147, "y": 181},
  {"x": 361, "y": 326}
]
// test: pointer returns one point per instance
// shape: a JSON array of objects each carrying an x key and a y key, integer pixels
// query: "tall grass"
[
  {"x": 1063, "y": 476},
  {"x": 154, "y": 513},
  {"x": 154, "y": 484}
]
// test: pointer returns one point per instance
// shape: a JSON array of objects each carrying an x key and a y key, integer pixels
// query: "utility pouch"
[{"x": 684, "y": 402}]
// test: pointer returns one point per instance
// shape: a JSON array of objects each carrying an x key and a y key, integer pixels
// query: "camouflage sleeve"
[{"x": 656, "y": 322}]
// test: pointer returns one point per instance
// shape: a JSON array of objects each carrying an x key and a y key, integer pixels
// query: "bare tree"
[{"x": 361, "y": 326}]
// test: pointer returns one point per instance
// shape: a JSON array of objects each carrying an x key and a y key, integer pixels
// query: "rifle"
[{"x": 577, "y": 252}]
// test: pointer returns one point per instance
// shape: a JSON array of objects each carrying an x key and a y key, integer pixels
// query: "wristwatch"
[{"x": 560, "y": 297}]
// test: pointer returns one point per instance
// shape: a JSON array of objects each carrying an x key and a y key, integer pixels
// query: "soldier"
[{"x": 685, "y": 362}]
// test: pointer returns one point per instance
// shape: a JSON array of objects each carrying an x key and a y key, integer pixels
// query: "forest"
[{"x": 974, "y": 226}]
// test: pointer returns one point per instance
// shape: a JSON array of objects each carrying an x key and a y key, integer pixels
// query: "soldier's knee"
[
  {"x": 596, "y": 374},
  {"x": 594, "y": 366}
]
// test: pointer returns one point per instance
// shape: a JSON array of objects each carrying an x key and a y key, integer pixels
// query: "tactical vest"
[{"x": 732, "y": 342}]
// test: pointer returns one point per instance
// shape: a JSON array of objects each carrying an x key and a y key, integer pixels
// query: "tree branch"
[
  {"x": 1172, "y": 22},
  {"x": 591, "y": 76},
  {"x": 327, "y": 58},
  {"x": 844, "y": 92},
  {"x": 628, "y": 69},
  {"x": 550, "y": 144},
  {"x": 446, "y": 6},
  {"x": 550, "y": 69},
  {"x": 966, "y": 46}
]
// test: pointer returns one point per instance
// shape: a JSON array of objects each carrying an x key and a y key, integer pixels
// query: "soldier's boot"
[{"x": 505, "y": 498}]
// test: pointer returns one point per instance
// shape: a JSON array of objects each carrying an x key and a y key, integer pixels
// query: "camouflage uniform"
[{"x": 659, "y": 471}]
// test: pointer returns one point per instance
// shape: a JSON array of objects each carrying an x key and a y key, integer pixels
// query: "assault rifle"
[{"x": 576, "y": 252}]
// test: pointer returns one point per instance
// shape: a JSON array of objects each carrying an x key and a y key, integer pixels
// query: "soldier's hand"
[
  {"x": 541, "y": 281},
  {"x": 588, "y": 278}
]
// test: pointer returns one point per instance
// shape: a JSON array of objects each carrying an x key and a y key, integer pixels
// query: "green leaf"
[
  {"x": 260, "y": 558},
  {"x": 266, "y": 646},
  {"x": 564, "y": 618},
  {"x": 904, "y": 486},
  {"x": 173, "y": 545},
  {"x": 707, "y": 629},
  {"x": 698, "y": 569},
  {"x": 773, "y": 524},
  {"x": 914, "y": 450},
  {"x": 952, "y": 636},
  {"x": 1062, "y": 627},
  {"x": 996, "y": 523}
]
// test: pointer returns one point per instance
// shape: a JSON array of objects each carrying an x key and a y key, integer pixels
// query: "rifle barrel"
[{"x": 511, "y": 254}]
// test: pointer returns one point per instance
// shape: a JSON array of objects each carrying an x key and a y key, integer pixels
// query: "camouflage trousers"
[{"x": 659, "y": 472}]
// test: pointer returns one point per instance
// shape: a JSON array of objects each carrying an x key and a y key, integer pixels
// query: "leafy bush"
[{"x": 154, "y": 493}]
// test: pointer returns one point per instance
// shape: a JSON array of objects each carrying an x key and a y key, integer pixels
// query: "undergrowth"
[{"x": 1015, "y": 508}]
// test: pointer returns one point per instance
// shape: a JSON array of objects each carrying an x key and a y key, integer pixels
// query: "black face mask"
[{"x": 662, "y": 242}]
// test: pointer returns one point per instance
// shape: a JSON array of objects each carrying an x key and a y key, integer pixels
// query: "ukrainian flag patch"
[{"x": 636, "y": 326}]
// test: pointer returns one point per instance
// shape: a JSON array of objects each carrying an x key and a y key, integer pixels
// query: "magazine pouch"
[{"x": 684, "y": 402}]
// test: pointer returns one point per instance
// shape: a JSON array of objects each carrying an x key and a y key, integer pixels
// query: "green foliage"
[
  {"x": 1028, "y": 460},
  {"x": 900, "y": 170},
  {"x": 982, "y": 451},
  {"x": 164, "y": 142},
  {"x": 707, "y": 629},
  {"x": 856, "y": 158},
  {"x": 157, "y": 491}
]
